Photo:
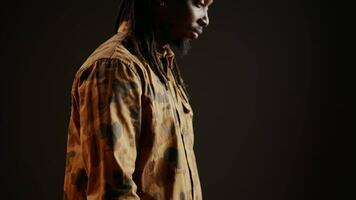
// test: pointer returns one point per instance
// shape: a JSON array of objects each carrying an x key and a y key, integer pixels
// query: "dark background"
[{"x": 270, "y": 85}]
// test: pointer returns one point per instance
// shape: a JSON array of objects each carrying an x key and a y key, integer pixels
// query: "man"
[{"x": 130, "y": 133}]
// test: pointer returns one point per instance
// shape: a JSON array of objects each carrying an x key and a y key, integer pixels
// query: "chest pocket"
[
  {"x": 187, "y": 109},
  {"x": 186, "y": 118}
]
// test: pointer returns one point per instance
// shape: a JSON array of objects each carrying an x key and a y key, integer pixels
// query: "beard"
[{"x": 181, "y": 46}]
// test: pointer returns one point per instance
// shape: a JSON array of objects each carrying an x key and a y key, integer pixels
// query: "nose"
[{"x": 204, "y": 21}]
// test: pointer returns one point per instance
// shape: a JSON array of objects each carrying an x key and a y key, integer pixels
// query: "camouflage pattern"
[{"x": 129, "y": 137}]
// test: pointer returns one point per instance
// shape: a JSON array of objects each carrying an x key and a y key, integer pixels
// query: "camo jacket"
[{"x": 129, "y": 136}]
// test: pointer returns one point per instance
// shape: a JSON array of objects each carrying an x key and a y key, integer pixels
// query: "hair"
[{"x": 141, "y": 39}]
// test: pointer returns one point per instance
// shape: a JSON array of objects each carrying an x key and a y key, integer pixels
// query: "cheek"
[
  {"x": 189, "y": 18},
  {"x": 183, "y": 20},
  {"x": 194, "y": 15},
  {"x": 182, "y": 24},
  {"x": 187, "y": 14}
]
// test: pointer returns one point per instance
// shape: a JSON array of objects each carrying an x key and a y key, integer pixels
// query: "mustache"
[{"x": 198, "y": 29}]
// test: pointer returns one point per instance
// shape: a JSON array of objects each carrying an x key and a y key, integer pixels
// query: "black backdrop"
[{"x": 269, "y": 96}]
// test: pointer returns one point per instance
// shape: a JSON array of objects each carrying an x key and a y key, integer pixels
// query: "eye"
[{"x": 199, "y": 3}]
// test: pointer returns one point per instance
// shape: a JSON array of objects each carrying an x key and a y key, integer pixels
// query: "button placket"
[{"x": 184, "y": 137}]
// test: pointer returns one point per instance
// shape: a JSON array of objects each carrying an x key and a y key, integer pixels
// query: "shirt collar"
[
  {"x": 162, "y": 52},
  {"x": 123, "y": 27},
  {"x": 167, "y": 53}
]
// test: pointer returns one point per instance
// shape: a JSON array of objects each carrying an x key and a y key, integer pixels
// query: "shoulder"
[
  {"x": 111, "y": 49},
  {"x": 109, "y": 58}
]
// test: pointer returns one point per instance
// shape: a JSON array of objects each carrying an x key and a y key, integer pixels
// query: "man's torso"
[{"x": 165, "y": 166}]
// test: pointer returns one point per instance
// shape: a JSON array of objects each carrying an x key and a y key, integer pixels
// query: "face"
[{"x": 183, "y": 20}]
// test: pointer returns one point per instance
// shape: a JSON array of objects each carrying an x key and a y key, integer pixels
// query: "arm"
[{"x": 109, "y": 111}]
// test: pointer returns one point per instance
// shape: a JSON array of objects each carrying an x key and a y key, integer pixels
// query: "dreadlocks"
[{"x": 141, "y": 40}]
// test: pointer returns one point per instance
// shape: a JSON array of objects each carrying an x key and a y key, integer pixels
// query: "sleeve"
[{"x": 102, "y": 143}]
